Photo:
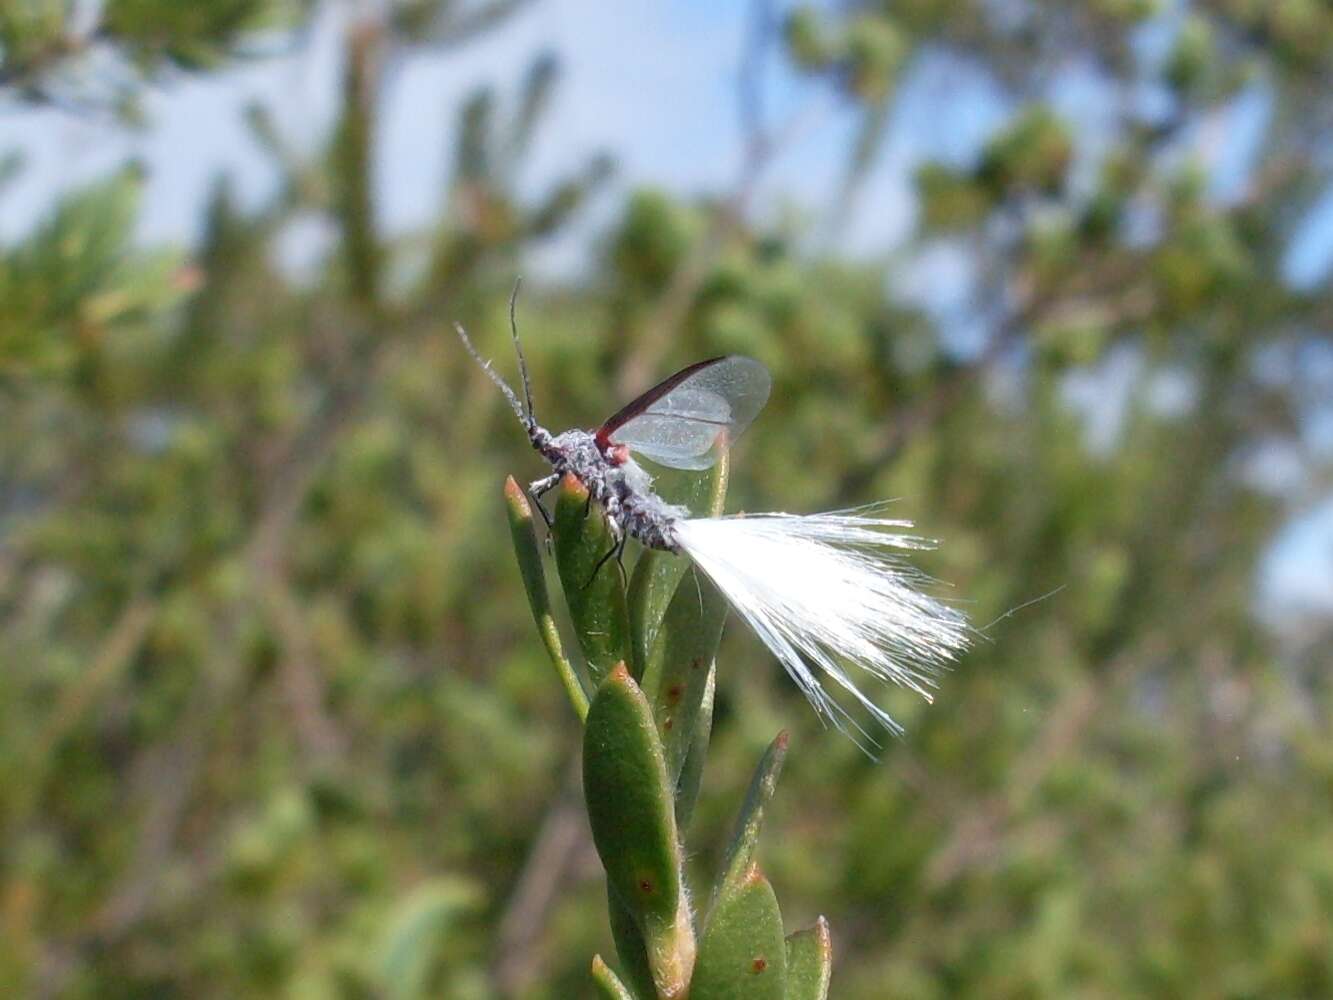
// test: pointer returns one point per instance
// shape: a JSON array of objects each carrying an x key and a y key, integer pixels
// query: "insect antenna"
[
  {"x": 518, "y": 349},
  {"x": 494, "y": 376}
]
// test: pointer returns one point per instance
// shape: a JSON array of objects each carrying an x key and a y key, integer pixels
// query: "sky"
[{"x": 679, "y": 60}]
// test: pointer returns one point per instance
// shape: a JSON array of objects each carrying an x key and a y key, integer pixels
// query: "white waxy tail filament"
[{"x": 829, "y": 591}]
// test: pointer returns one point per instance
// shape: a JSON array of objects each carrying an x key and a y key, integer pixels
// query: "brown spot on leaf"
[
  {"x": 674, "y": 692},
  {"x": 759, "y": 964}
]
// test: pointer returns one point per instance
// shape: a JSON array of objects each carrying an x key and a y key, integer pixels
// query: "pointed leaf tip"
[
  {"x": 591, "y": 579},
  {"x": 745, "y": 840},
  {"x": 518, "y": 500},
  {"x": 810, "y": 962},
  {"x": 609, "y": 986},
  {"x": 571, "y": 483},
  {"x": 534, "y": 583}
]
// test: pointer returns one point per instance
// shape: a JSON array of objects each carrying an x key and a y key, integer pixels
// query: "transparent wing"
[{"x": 685, "y": 420}]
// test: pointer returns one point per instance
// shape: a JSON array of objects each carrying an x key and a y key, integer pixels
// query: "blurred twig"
[
  {"x": 556, "y": 854},
  {"x": 978, "y": 834},
  {"x": 761, "y": 146},
  {"x": 874, "y": 128},
  {"x": 299, "y": 464},
  {"x": 899, "y": 427},
  {"x": 1124, "y": 305},
  {"x": 116, "y": 652},
  {"x": 463, "y": 26},
  {"x": 165, "y": 776}
]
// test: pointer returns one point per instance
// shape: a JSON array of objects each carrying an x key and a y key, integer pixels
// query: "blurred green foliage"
[{"x": 272, "y": 716}]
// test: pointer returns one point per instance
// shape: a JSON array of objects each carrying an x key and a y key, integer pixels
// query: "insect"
[{"x": 824, "y": 592}]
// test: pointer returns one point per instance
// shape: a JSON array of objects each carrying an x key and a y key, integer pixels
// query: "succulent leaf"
[
  {"x": 739, "y": 858},
  {"x": 809, "y": 962},
  {"x": 609, "y": 986},
  {"x": 657, "y": 574},
  {"x": 681, "y": 662},
  {"x": 534, "y": 582},
  {"x": 630, "y": 948},
  {"x": 596, "y": 596},
  {"x": 691, "y": 772},
  {"x": 631, "y": 811},
  {"x": 742, "y": 955}
]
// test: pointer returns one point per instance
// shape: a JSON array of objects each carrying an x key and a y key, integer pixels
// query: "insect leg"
[
  {"x": 620, "y": 559},
  {"x": 539, "y": 488},
  {"x": 617, "y": 547}
]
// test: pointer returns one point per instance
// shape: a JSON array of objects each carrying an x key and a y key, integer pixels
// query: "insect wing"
[{"x": 684, "y": 421}]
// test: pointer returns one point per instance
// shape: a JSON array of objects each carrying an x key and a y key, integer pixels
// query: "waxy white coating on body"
[{"x": 622, "y": 488}]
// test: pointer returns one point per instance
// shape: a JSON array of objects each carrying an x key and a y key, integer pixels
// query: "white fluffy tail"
[{"x": 829, "y": 590}]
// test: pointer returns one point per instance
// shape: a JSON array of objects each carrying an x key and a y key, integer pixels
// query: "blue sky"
[{"x": 652, "y": 83}]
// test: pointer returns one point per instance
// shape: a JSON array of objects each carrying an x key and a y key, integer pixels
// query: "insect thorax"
[{"x": 623, "y": 489}]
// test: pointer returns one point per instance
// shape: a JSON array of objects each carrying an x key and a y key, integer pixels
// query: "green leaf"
[
  {"x": 809, "y": 962},
  {"x": 415, "y": 932},
  {"x": 596, "y": 602},
  {"x": 193, "y": 36},
  {"x": 534, "y": 101},
  {"x": 691, "y": 772},
  {"x": 680, "y": 663},
  {"x": 631, "y": 811},
  {"x": 609, "y": 987},
  {"x": 742, "y": 955},
  {"x": 629, "y": 946},
  {"x": 657, "y": 573},
  {"x": 744, "y": 841},
  {"x": 654, "y": 580},
  {"x": 77, "y": 290},
  {"x": 534, "y": 581}
]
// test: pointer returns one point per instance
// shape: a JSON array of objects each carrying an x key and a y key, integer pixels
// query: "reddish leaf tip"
[
  {"x": 572, "y": 484},
  {"x": 515, "y": 495}
]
